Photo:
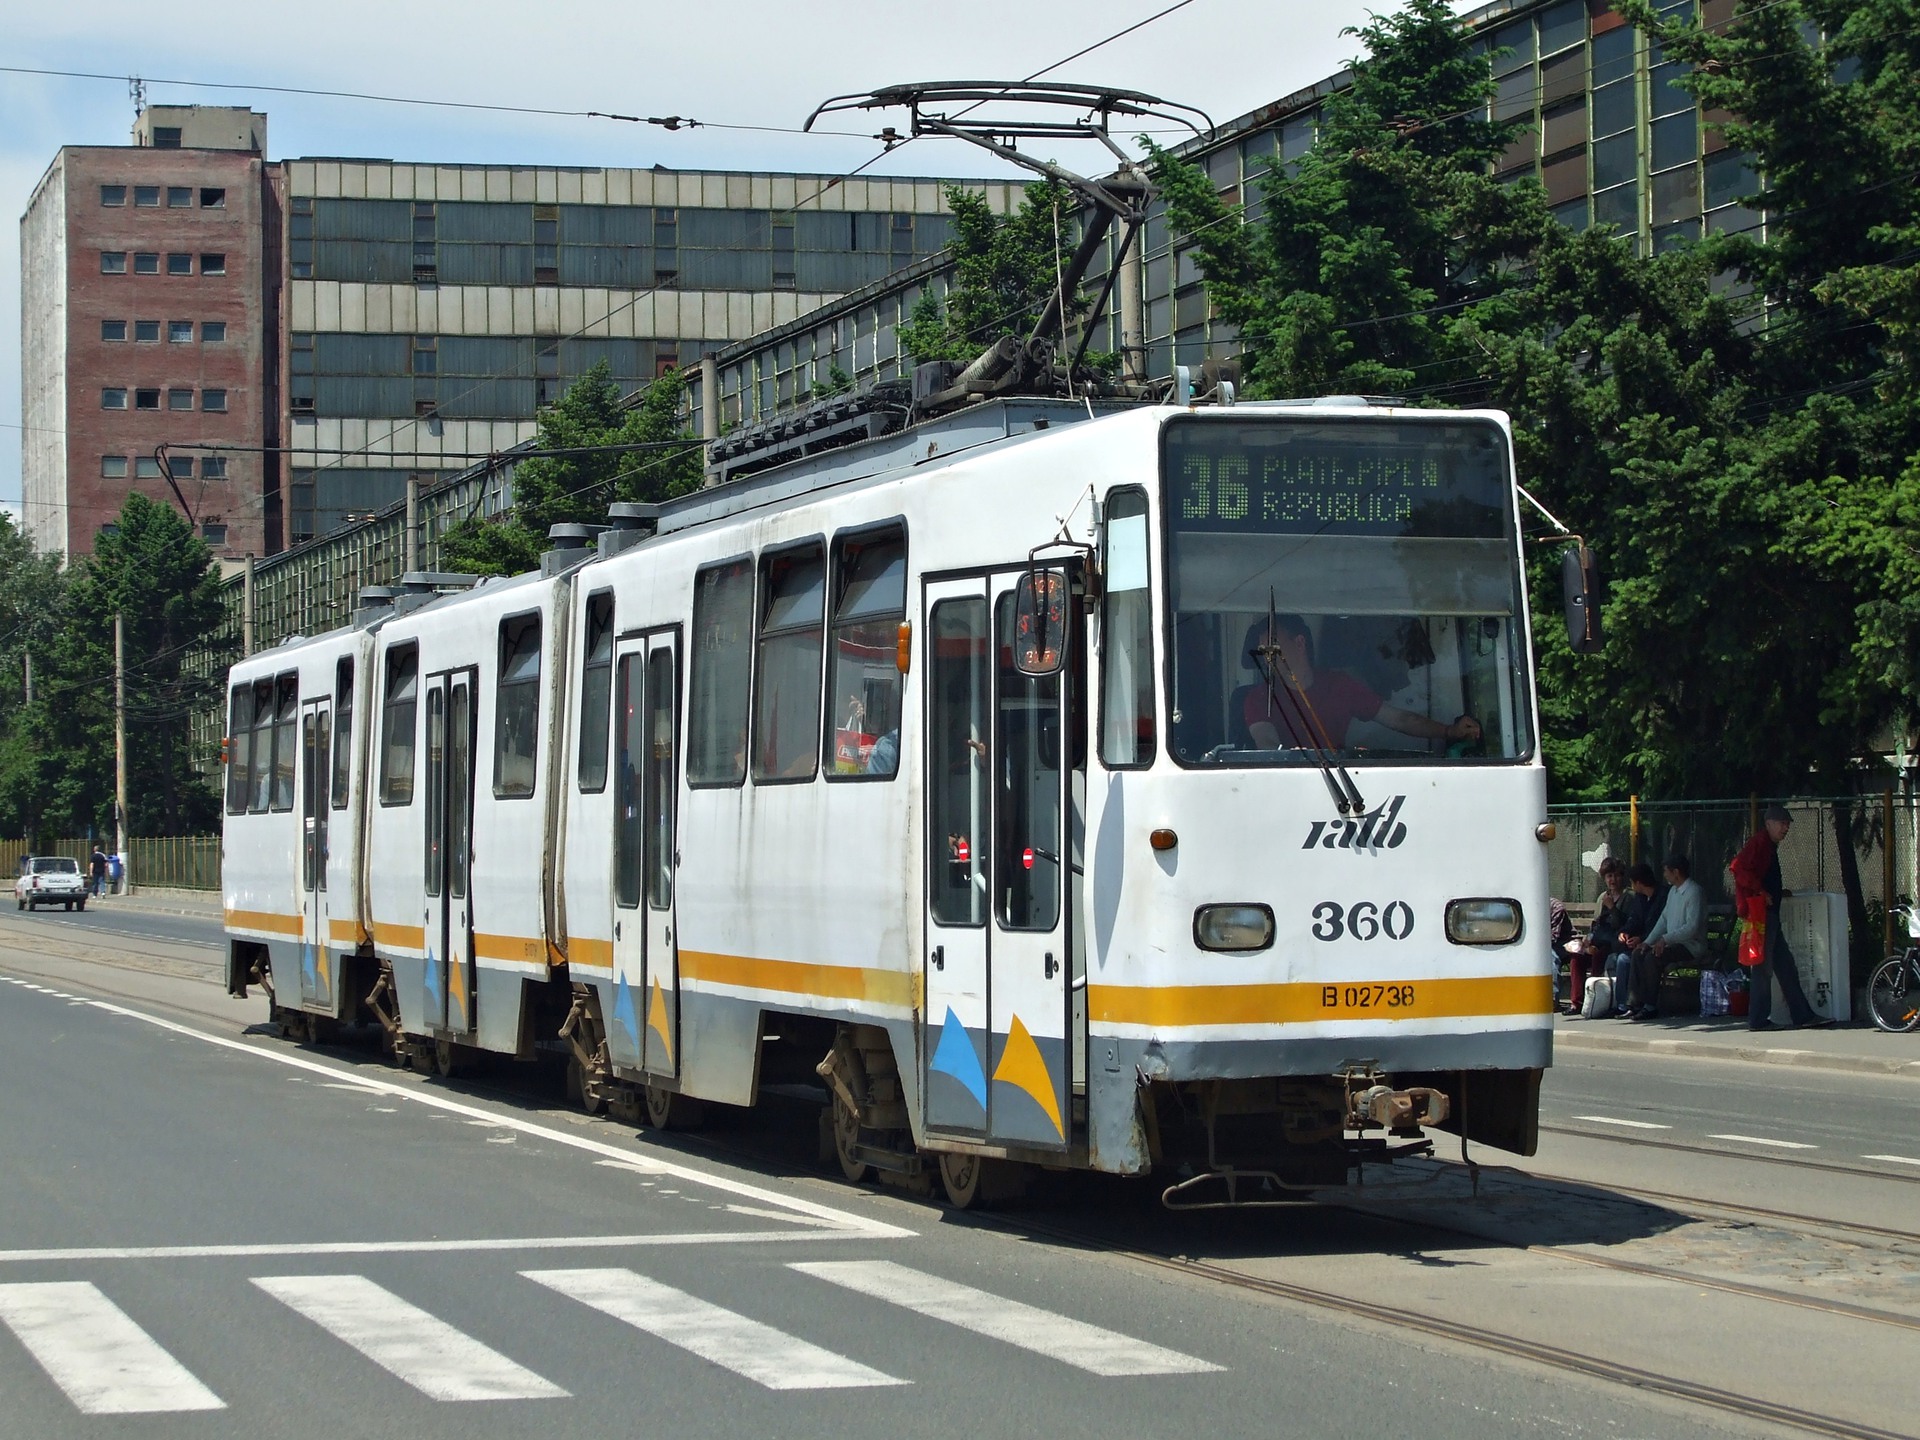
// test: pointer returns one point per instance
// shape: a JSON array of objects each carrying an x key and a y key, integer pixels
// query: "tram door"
[
  {"x": 645, "y": 1028},
  {"x": 316, "y": 771},
  {"x": 449, "y": 843},
  {"x": 998, "y": 967}
]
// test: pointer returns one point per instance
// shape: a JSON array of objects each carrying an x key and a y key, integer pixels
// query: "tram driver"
[{"x": 1280, "y": 651}]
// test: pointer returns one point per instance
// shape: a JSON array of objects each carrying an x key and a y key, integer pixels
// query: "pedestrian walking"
[
  {"x": 97, "y": 868},
  {"x": 1757, "y": 891}
]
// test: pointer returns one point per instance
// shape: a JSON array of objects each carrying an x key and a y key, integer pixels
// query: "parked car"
[{"x": 50, "y": 880}]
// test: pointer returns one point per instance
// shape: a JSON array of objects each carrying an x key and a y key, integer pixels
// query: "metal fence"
[
  {"x": 1861, "y": 844},
  {"x": 174, "y": 862}
]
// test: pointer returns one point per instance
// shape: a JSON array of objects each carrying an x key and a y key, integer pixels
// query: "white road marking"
[
  {"x": 759, "y": 1352},
  {"x": 1763, "y": 1140},
  {"x": 423, "y": 1247},
  {"x": 1103, "y": 1352},
  {"x": 423, "y": 1350},
  {"x": 95, "y": 1352},
  {"x": 1630, "y": 1124},
  {"x": 847, "y": 1220},
  {"x": 1895, "y": 1159}
]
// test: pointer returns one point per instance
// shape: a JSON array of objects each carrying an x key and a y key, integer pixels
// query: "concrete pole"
[
  {"x": 1133, "y": 324},
  {"x": 27, "y": 655},
  {"x": 120, "y": 750},
  {"x": 246, "y": 607},
  {"x": 410, "y": 545},
  {"x": 709, "y": 398}
]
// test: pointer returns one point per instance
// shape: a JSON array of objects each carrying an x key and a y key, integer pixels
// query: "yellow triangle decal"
[
  {"x": 325, "y": 971},
  {"x": 1022, "y": 1066},
  {"x": 657, "y": 1018}
]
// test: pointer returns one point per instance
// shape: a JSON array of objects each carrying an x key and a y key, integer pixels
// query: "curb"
[{"x": 1749, "y": 1054}]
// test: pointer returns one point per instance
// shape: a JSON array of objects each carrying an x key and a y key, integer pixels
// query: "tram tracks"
[{"x": 1797, "y": 1161}]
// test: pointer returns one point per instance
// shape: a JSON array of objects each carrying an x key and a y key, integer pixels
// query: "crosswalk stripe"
[
  {"x": 423, "y": 1350},
  {"x": 1103, "y": 1352},
  {"x": 95, "y": 1352},
  {"x": 759, "y": 1352}
]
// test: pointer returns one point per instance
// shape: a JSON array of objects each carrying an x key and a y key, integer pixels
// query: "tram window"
[
  {"x": 1026, "y": 802},
  {"x": 870, "y": 601},
  {"x": 660, "y": 759},
  {"x": 629, "y": 829},
  {"x": 516, "y": 708},
  {"x": 786, "y": 697},
  {"x": 722, "y": 660},
  {"x": 260, "y": 760},
  {"x": 286, "y": 713},
  {"x": 239, "y": 747},
  {"x": 342, "y": 732},
  {"x": 459, "y": 787},
  {"x": 959, "y": 699},
  {"x": 1126, "y": 637},
  {"x": 436, "y": 797},
  {"x": 398, "y": 725},
  {"x": 596, "y": 690}
]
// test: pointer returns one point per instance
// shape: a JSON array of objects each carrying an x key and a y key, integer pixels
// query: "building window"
[
  {"x": 166, "y": 137},
  {"x": 147, "y": 331},
  {"x": 213, "y": 197},
  {"x": 180, "y": 332},
  {"x": 113, "y": 194},
  {"x": 722, "y": 651},
  {"x": 113, "y": 467},
  {"x": 398, "y": 725},
  {"x": 546, "y": 244},
  {"x": 148, "y": 399},
  {"x": 179, "y": 399},
  {"x": 213, "y": 332},
  {"x": 146, "y": 263},
  {"x": 664, "y": 361},
  {"x": 215, "y": 400},
  {"x": 178, "y": 264},
  {"x": 786, "y": 698},
  {"x": 113, "y": 329},
  {"x": 516, "y": 708},
  {"x": 179, "y": 197},
  {"x": 426, "y": 253},
  {"x": 113, "y": 262},
  {"x": 113, "y": 398},
  {"x": 213, "y": 264},
  {"x": 146, "y": 195},
  {"x": 213, "y": 467},
  {"x": 426, "y": 354},
  {"x": 666, "y": 242},
  {"x": 182, "y": 466},
  {"x": 214, "y": 532},
  {"x": 146, "y": 467}
]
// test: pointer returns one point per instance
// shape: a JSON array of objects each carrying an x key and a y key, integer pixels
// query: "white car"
[{"x": 50, "y": 880}]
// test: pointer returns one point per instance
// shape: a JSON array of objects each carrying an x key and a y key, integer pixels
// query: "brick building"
[{"x": 149, "y": 283}]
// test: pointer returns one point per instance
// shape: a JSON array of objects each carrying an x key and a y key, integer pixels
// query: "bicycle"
[{"x": 1893, "y": 994}]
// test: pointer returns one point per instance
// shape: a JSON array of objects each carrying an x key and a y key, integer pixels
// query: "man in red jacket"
[{"x": 1757, "y": 892}]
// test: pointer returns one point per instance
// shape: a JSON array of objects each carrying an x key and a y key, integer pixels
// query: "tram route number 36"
[{"x": 1363, "y": 920}]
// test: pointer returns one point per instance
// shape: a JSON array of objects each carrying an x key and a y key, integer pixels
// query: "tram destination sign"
[{"x": 1278, "y": 475}]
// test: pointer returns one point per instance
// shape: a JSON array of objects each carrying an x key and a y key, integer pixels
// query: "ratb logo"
[{"x": 1381, "y": 828}]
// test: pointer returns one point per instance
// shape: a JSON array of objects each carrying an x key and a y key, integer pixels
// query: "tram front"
[{"x": 1317, "y": 896}]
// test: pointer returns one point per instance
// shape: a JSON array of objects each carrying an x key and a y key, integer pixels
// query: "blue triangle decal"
[
  {"x": 624, "y": 1014},
  {"x": 955, "y": 1056},
  {"x": 433, "y": 981},
  {"x": 309, "y": 967}
]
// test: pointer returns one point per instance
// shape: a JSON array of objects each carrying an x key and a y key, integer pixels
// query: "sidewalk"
[
  {"x": 1858, "y": 1048},
  {"x": 156, "y": 901}
]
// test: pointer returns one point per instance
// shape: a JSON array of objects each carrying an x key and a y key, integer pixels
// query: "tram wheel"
[
  {"x": 446, "y": 1059},
  {"x": 975, "y": 1182},
  {"x": 582, "y": 1090},
  {"x": 846, "y": 1134},
  {"x": 667, "y": 1110}
]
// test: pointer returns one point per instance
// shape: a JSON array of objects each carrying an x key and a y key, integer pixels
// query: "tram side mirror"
[
  {"x": 1040, "y": 610},
  {"x": 1580, "y": 586}
]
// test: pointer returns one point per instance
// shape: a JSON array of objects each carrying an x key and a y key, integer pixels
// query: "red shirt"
[
  {"x": 1756, "y": 872},
  {"x": 1335, "y": 696}
]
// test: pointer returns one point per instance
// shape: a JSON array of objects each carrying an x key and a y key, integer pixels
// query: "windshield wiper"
[{"x": 1277, "y": 671}]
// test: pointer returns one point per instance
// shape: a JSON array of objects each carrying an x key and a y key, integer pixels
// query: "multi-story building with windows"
[
  {"x": 148, "y": 283},
  {"x": 433, "y": 309}
]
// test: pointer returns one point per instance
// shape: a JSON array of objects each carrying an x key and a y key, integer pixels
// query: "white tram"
[{"x": 1156, "y": 787}]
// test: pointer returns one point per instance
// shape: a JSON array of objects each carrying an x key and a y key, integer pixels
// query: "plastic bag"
[
  {"x": 1713, "y": 993},
  {"x": 1753, "y": 942},
  {"x": 1598, "y": 1001}
]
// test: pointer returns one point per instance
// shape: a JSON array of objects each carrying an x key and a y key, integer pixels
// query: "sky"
[{"x": 743, "y": 63}]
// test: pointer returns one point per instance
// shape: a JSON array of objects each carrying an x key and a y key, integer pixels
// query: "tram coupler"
[{"x": 1396, "y": 1110}]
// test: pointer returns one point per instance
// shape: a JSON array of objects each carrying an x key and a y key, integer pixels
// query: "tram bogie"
[{"x": 1148, "y": 788}]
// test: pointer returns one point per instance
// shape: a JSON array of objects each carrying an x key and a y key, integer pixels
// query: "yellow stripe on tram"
[{"x": 1303, "y": 1001}]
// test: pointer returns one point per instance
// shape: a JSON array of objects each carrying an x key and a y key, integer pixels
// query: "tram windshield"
[{"x": 1344, "y": 589}]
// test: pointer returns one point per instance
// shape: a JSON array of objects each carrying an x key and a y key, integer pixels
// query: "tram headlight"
[
  {"x": 1233, "y": 927},
  {"x": 1483, "y": 922}
]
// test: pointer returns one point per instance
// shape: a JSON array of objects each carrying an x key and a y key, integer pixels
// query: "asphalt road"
[{"x": 1681, "y": 1215}]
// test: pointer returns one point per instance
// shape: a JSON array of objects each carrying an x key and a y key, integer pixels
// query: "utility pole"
[
  {"x": 120, "y": 749},
  {"x": 27, "y": 655},
  {"x": 410, "y": 541},
  {"x": 246, "y": 607}
]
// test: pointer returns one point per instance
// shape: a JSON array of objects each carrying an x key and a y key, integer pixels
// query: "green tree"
[
  {"x": 57, "y": 764},
  {"x": 1005, "y": 269},
  {"x": 577, "y": 489}
]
